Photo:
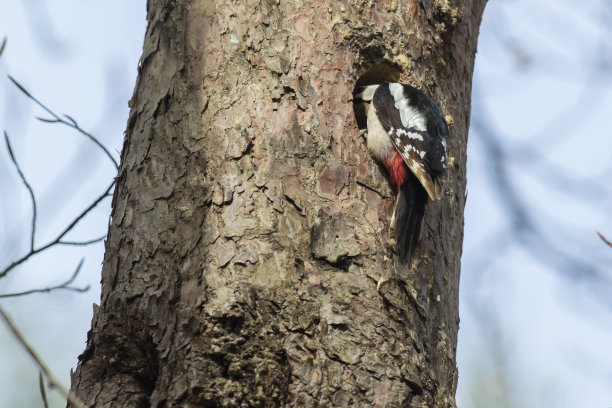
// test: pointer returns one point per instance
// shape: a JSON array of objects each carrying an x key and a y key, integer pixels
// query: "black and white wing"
[{"x": 417, "y": 129}]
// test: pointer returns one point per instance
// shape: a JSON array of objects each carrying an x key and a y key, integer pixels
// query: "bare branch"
[
  {"x": 58, "y": 239},
  {"x": 41, "y": 386},
  {"x": 65, "y": 286},
  {"x": 2, "y": 46},
  {"x": 605, "y": 240},
  {"x": 53, "y": 381},
  {"x": 47, "y": 120},
  {"x": 85, "y": 212},
  {"x": 82, "y": 243},
  {"x": 27, "y": 185},
  {"x": 70, "y": 123},
  {"x": 74, "y": 123}
]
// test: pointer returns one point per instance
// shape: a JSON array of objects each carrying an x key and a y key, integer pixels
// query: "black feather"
[{"x": 409, "y": 217}]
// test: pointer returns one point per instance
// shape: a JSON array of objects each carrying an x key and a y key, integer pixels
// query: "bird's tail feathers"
[{"x": 409, "y": 217}]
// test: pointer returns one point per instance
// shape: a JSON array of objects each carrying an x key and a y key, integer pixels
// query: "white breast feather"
[{"x": 379, "y": 142}]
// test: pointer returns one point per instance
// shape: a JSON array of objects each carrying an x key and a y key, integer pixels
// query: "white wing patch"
[
  {"x": 412, "y": 135},
  {"x": 411, "y": 118}
]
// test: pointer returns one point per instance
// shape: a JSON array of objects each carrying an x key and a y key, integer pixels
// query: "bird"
[{"x": 406, "y": 132}]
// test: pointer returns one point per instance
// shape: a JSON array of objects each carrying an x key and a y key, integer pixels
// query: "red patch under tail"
[{"x": 410, "y": 207}]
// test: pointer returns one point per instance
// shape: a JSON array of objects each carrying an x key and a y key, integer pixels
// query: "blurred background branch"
[
  {"x": 65, "y": 285},
  {"x": 535, "y": 280},
  {"x": 87, "y": 67},
  {"x": 71, "y": 225},
  {"x": 53, "y": 381},
  {"x": 604, "y": 239}
]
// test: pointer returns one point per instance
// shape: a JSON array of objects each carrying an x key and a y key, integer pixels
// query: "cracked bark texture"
[{"x": 250, "y": 226}]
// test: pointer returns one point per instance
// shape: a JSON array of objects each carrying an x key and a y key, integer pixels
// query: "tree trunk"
[{"x": 250, "y": 226}]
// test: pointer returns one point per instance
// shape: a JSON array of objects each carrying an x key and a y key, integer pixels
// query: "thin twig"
[
  {"x": 53, "y": 381},
  {"x": 604, "y": 239},
  {"x": 43, "y": 393},
  {"x": 86, "y": 211},
  {"x": 70, "y": 123},
  {"x": 58, "y": 239},
  {"x": 27, "y": 185},
  {"x": 82, "y": 243},
  {"x": 2, "y": 46},
  {"x": 65, "y": 285}
]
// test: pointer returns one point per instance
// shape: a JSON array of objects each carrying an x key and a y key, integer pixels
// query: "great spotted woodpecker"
[{"x": 406, "y": 132}]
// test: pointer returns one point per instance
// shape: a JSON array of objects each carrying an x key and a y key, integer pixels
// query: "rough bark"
[{"x": 250, "y": 226}]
